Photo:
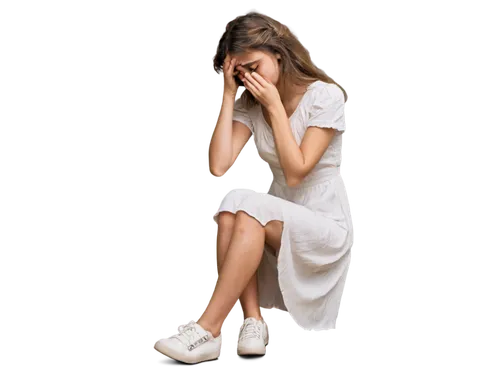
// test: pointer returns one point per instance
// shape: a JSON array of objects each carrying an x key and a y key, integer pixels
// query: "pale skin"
[{"x": 241, "y": 237}]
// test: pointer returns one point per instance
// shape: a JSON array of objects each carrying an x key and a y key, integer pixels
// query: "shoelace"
[
  {"x": 250, "y": 329},
  {"x": 183, "y": 325},
  {"x": 188, "y": 334}
]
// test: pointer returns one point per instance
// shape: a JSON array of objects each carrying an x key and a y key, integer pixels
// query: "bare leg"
[
  {"x": 249, "y": 299},
  {"x": 240, "y": 264},
  {"x": 274, "y": 230}
]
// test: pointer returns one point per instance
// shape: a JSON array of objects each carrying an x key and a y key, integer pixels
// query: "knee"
[
  {"x": 226, "y": 220},
  {"x": 273, "y": 231},
  {"x": 274, "y": 227},
  {"x": 245, "y": 222}
]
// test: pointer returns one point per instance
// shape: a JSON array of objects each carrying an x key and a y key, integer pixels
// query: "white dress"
[{"x": 307, "y": 276}]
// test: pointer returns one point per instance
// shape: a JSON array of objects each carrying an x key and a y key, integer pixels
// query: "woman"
[{"x": 289, "y": 248}]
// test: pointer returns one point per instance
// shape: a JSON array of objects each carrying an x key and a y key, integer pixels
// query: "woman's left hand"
[{"x": 263, "y": 90}]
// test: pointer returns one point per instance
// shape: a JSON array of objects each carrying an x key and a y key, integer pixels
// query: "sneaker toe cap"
[
  {"x": 251, "y": 346},
  {"x": 169, "y": 346}
]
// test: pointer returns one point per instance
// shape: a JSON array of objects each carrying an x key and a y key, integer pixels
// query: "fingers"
[
  {"x": 257, "y": 79},
  {"x": 229, "y": 65},
  {"x": 251, "y": 86},
  {"x": 229, "y": 81},
  {"x": 242, "y": 69},
  {"x": 249, "y": 78},
  {"x": 242, "y": 72},
  {"x": 254, "y": 79}
]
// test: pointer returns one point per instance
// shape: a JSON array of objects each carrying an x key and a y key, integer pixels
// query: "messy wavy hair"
[{"x": 256, "y": 31}]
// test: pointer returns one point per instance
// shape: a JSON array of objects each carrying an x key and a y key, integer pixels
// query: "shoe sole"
[
  {"x": 170, "y": 362},
  {"x": 186, "y": 361},
  {"x": 205, "y": 361},
  {"x": 252, "y": 352}
]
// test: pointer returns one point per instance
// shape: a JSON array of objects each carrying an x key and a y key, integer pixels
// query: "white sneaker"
[
  {"x": 192, "y": 344},
  {"x": 253, "y": 338}
]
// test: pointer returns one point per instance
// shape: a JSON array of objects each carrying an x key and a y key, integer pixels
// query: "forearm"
[
  {"x": 221, "y": 148},
  {"x": 289, "y": 152}
]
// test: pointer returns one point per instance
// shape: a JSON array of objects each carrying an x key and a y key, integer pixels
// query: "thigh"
[
  {"x": 226, "y": 220},
  {"x": 273, "y": 230}
]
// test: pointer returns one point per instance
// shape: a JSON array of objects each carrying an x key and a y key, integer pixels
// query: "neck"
[{"x": 288, "y": 94}]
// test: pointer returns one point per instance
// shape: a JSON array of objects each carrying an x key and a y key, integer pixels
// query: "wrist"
[
  {"x": 229, "y": 95},
  {"x": 228, "y": 99},
  {"x": 275, "y": 109}
]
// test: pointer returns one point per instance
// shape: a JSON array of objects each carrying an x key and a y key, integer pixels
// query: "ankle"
[
  {"x": 215, "y": 331},
  {"x": 256, "y": 316}
]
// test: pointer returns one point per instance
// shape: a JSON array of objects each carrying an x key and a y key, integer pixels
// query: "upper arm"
[
  {"x": 314, "y": 144},
  {"x": 326, "y": 119},
  {"x": 242, "y": 129},
  {"x": 241, "y": 135}
]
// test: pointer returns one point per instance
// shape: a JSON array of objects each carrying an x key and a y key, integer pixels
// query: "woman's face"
[{"x": 266, "y": 65}]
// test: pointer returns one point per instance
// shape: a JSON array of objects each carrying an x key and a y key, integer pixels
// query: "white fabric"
[{"x": 307, "y": 276}]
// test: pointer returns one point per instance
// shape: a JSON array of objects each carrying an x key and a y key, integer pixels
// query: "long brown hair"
[{"x": 256, "y": 31}]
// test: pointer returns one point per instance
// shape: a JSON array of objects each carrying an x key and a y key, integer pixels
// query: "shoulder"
[
  {"x": 241, "y": 104},
  {"x": 327, "y": 106},
  {"x": 325, "y": 91}
]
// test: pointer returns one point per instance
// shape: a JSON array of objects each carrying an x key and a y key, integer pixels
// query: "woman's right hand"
[{"x": 230, "y": 85}]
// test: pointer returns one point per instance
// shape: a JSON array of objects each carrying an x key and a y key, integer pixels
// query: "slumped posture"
[{"x": 289, "y": 248}]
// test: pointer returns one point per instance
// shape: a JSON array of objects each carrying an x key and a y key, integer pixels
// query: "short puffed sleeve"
[
  {"x": 327, "y": 108},
  {"x": 241, "y": 114}
]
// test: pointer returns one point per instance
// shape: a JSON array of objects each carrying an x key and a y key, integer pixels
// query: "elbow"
[
  {"x": 217, "y": 172},
  {"x": 220, "y": 169},
  {"x": 216, "y": 168},
  {"x": 293, "y": 181}
]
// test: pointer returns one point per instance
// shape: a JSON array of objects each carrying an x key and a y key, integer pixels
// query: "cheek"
[
  {"x": 276, "y": 77},
  {"x": 270, "y": 74}
]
